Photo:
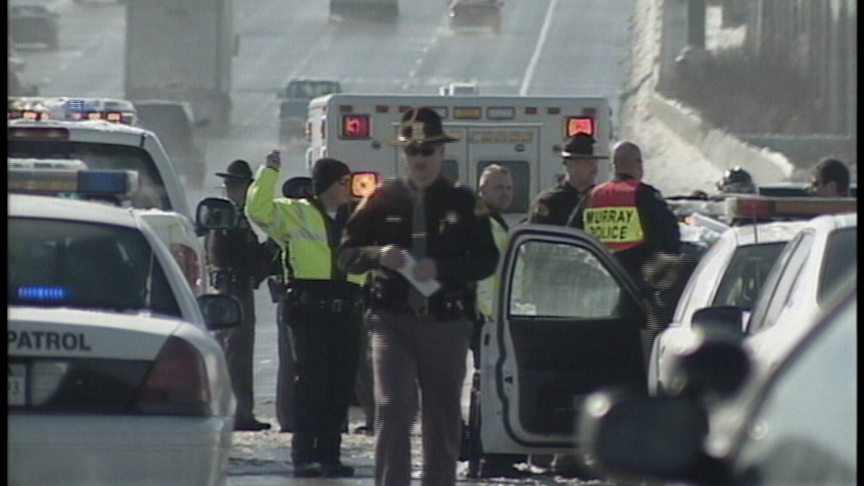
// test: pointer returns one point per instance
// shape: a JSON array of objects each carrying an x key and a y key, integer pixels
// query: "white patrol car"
[
  {"x": 113, "y": 377},
  {"x": 734, "y": 270},
  {"x": 104, "y": 145}
]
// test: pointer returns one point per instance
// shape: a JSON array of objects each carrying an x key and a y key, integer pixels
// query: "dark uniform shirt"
[
  {"x": 458, "y": 236},
  {"x": 238, "y": 252},
  {"x": 554, "y": 205}
]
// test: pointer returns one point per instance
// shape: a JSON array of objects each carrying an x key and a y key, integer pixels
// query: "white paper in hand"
[{"x": 426, "y": 288}]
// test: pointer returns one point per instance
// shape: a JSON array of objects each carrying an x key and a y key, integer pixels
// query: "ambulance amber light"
[
  {"x": 38, "y": 133},
  {"x": 467, "y": 113},
  {"x": 364, "y": 183},
  {"x": 355, "y": 126},
  {"x": 577, "y": 124}
]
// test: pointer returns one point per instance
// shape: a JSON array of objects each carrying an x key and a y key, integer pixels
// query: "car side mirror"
[
  {"x": 632, "y": 437},
  {"x": 724, "y": 319},
  {"x": 216, "y": 213},
  {"x": 713, "y": 366},
  {"x": 220, "y": 311}
]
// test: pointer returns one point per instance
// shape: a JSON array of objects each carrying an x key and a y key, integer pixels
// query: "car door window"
[
  {"x": 805, "y": 429},
  {"x": 574, "y": 283},
  {"x": 781, "y": 282},
  {"x": 841, "y": 259},
  {"x": 746, "y": 274}
]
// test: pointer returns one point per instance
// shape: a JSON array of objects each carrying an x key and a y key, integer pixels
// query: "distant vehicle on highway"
[
  {"x": 113, "y": 375},
  {"x": 459, "y": 89},
  {"x": 475, "y": 16},
  {"x": 386, "y": 10},
  {"x": 34, "y": 24},
  {"x": 179, "y": 131},
  {"x": 294, "y": 105}
]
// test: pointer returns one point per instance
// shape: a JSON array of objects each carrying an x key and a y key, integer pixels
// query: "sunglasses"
[{"x": 414, "y": 150}]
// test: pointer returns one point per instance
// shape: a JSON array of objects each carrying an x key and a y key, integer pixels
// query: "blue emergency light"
[
  {"x": 67, "y": 182},
  {"x": 43, "y": 292}
]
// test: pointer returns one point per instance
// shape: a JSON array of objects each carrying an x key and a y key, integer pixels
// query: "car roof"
[
  {"x": 779, "y": 231},
  {"x": 77, "y": 128},
  {"x": 46, "y": 207}
]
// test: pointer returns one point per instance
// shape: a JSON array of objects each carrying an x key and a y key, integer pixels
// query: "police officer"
[
  {"x": 427, "y": 242},
  {"x": 237, "y": 263},
  {"x": 295, "y": 188},
  {"x": 554, "y": 205},
  {"x": 736, "y": 181},
  {"x": 829, "y": 178},
  {"x": 630, "y": 217},
  {"x": 322, "y": 306},
  {"x": 495, "y": 188}
]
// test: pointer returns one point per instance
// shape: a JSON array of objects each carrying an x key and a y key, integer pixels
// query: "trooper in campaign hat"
[
  {"x": 237, "y": 263},
  {"x": 554, "y": 205},
  {"x": 237, "y": 170},
  {"x": 581, "y": 146},
  {"x": 422, "y": 125}
]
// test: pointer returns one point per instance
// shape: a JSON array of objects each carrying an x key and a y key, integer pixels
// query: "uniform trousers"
[
  {"x": 327, "y": 345},
  {"x": 285, "y": 376},
  {"x": 238, "y": 343},
  {"x": 411, "y": 352}
]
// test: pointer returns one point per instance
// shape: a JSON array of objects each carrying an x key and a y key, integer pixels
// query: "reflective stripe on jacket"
[
  {"x": 611, "y": 215},
  {"x": 298, "y": 227}
]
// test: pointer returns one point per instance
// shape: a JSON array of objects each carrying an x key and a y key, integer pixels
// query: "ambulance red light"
[
  {"x": 577, "y": 124},
  {"x": 553, "y": 110},
  {"x": 355, "y": 126},
  {"x": 531, "y": 110},
  {"x": 382, "y": 109},
  {"x": 346, "y": 109}
]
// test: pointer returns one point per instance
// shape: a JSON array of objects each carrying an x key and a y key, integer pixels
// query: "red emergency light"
[{"x": 355, "y": 127}]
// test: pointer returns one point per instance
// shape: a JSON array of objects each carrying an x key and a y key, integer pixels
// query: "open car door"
[{"x": 570, "y": 320}]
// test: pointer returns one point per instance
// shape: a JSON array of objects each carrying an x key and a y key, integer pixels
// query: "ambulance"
[{"x": 523, "y": 133}]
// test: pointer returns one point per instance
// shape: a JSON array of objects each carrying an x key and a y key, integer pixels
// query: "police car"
[
  {"x": 734, "y": 270},
  {"x": 107, "y": 145},
  {"x": 113, "y": 377},
  {"x": 797, "y": 425}
]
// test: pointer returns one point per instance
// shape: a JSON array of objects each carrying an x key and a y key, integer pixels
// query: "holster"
[{"x": 445, "y": 305}]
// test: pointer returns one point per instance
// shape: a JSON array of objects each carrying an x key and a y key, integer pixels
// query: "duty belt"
[{"x": 309, "y": 299}]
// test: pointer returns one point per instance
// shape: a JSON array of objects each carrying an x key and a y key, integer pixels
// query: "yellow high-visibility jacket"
[{"x": 299, "y": 226}]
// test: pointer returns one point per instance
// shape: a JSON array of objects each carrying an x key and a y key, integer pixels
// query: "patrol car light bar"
[
  {"x": 787, "y": 207},
  {"x": 38, "y": 133},
  {"x": 64, "y": 181}
]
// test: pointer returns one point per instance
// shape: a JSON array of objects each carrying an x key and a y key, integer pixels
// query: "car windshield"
[
  {"x": 745, "y": 276},
  {"x": 58, "y": 263},
  {"x": 151, "y": 189}
]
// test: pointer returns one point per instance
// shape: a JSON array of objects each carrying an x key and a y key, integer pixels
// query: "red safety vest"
[{"x": 612, "y": 216}]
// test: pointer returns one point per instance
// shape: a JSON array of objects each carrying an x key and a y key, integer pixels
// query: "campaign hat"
[
  {"x": 420, "y": 126},
  {"x": 581, "y": 146}
]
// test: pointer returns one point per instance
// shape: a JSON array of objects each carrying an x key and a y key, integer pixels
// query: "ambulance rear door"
[{"x": 570, "y": 320}]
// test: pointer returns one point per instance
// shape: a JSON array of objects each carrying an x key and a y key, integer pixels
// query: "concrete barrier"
[{"x": 723, "y": 149}]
